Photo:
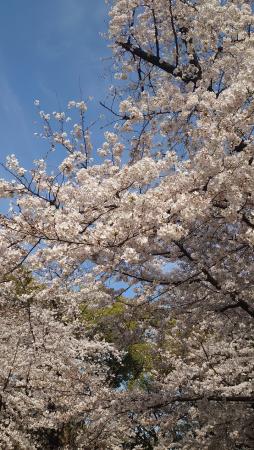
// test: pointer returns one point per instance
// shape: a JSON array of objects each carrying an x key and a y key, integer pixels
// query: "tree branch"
[
  {"x": 240, "y": 304},
  {"x": 148, "y": 57},
  {"x": 210, "y": 398}
]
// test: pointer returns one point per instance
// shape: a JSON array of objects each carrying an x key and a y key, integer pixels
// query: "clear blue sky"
[{"x": 46, "y": 47}]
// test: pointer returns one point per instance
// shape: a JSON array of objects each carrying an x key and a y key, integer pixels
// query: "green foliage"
[
  {"x": 115, "y": 323},
  {"x": 98, "y": 319},
  {"x": 93, "y": 316},
  {"x": 24, "y": 282}
]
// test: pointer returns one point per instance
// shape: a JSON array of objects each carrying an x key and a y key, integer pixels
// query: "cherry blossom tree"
[{"x": 127, "y": 275}]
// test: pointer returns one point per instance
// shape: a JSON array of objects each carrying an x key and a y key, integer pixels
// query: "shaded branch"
[
  {"x": 210, "y": 398},
  {"x": 148, "y": 57},
  {"x": 240, "y": 304},
  {"x": 174, "y": 31}
]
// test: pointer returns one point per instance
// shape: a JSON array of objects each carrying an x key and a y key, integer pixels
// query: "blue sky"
[{"x": 47, "y": 49}]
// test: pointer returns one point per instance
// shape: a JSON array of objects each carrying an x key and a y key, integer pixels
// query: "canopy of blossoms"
[{"x": 126, "y": 276}]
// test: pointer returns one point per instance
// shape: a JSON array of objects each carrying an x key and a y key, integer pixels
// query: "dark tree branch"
[
  {"x": 240, "y": 304},
  {"x": 148, "y": 57},
  {"x": 247, "y": 221},
  {"x": 240, "y": 147},
  {"x": 204, "y": 270},
  {"x": 163, "y": 65},
  {"x": 210, "y": 398},
  {"x": 156, "y": 35},
  {"x": 174, "y": 31}
]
